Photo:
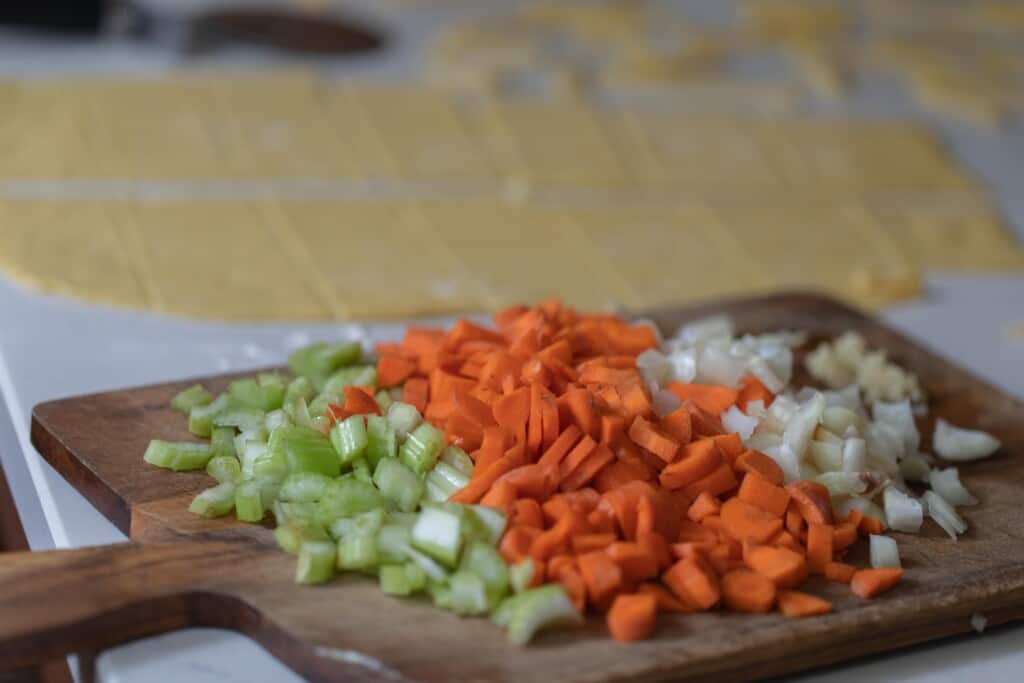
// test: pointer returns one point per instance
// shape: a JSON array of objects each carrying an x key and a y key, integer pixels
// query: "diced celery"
[
  {"x": 421, "y": 448},
  {"x": 286, "y": 513},
  {"x": 357, "y": 552},
  {"x": 301, "y": 415},
  {"x": 258, "y": 435},
  {"x": 440, "y": 594},
  {"x": 520, "y": 575},
  {"x": 394, "y": 580},
  {"x": 252, "y": 451},
  {"x": 438, "y": 534},
  {"x": 398, "y": 484},
  {"x": 384, "y": 400},
  {"x": 417, "y": 577},
  {"x": 177, "y": 456},
  {"x": 299, "y": 388},
  {"x": 392, "y": 540},
  {"x": 276, "y": 418},
  {"x": 434, "y": 493},
  {"x": 353, "y": 376},
  {"x": 502, "y": 614},
  {"x": 381, "y": 439},
  {"x": 403, "y": 418},
  {"x": 242, "y": 418},
  {"x": 347, "y": 498},
  {"x": 248, "y": 502},
  {"x": 366, "y": 523},
  {"x": 269, "y": 465},
  {"x": 430, "y": 567},
  {"x": 269, "y": 489},
  {"x": 304, "y": 487},
  {"x": 224, "y": 468},
  {"x": 321, "y": 359},
  {"x": 214, "y": 502},
  {"x": 468, "y": 593},
  {"x": 349, "y": 438},
  {"x": 492, "y": 519},
  {"x": 272, "y": 387},
  {"x": 290, "y": 536},
  {"x": 318, "y": 406},
  {"x": 361, "y": 470},
  {"x": 446, "y": 479},
  {"x": 187, "y": 399},
  {"x": 264, "y": 394},
  {"x": 538, "y": 609},
  {"x": 457, "y": 458},
  {"x": 200, "y": 418},
  {"x": 316, "y": 562},
  {"x": 406, "y": 519},
  {"x": 484, "y": 561},
  {"x": 222, "y": 441},
  {"x": 306, "y": 450}
]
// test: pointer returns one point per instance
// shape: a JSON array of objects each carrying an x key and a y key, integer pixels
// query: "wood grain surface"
[{"x": 181, "y": 570}]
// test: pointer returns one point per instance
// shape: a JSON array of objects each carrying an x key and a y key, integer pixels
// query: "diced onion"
[
  {"x": 861, "y": 504},
  {"x": 914, "y": 467},
  {"x": 947, "y": 484},
  {"x": 842, "y": 483},
  {"x": 735, "y": 420},
  {"x": 706, "y": 329},
  {"x": 655, "y": 367},
  {"x": 901, "y": 417},
  {"x": 684, "y": 365},
  {"x": 827, "y": 457},
  {"x": 902, "y": 512},
  {"x": 719, "y": 366},
  {"x": 839, "y": 419},
  {"x": 802, "y": 425},
  {"x": 884, "y": 552},
  {"x": 958, "y": 444},
  {"x": 664, "y": 401},
  {"x": 854, "y": 455},
  {"x": 944, "y": 514}
]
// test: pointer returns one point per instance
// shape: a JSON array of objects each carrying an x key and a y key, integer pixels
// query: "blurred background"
[{"x": 196, "y": 186}]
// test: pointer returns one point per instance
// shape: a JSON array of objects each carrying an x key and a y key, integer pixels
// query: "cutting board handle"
[{"x": 58, "y": 602}]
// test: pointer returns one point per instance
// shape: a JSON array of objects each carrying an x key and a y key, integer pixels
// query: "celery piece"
[
  {"x": 446, "y": 479},
  {"x": 269, "y": 488},
  {"x": 437, "y": 533},
  {"x": 403, "y": 418},
  {"x": 440, "y": 593},
  {"x": 349, "y": 438},
  {"x": 318, "y": 406},
  {"x": 269, "y": 465},
  {"x": 276, "y": 418},
  {"x": 273, "y": 387},
  {"x": 361, "y": 470},
  {"x": 306, "y": 450},
  {"x": 394, "y": 580},
  {"x": 484, "y": 561},
  {"x": 264, "y": 394},
  {"x": 398, "y": 484},
  {"x": 434, "y": 493},
  {"x": 178, "y": 456},
  {"x": 187, "y": 399},
  {"x": 253, "y": 451},
  {"x": 200, "y": 418},
  {"x": 298, "y": 388},
  {"x": 290, "y": 536},
  {"x": 482, "y": 517},
  {"x": 392, "y": 540},
  {"x": 538, "y": 609},
  {"x": 214, "y": 502},
  {"x": 222, "y": 441},
  {"x": 384, "y": 400},
  {"x": 365, "y": 523},
  {"x": 468, "y": 594},
  {"x": 520, "y": 575},
  {"x": 258, "y": 435},
  {"x": 353, "y": 376},
  {"x": 316, "y": 562},
  {"x": 301, "y": 415},
  {"x": 432, "y": 568},
  {"x": 346, "y": 498},
  {"x": 417, "y": 577},
  {"x": 243, "y": 418},
  {"x": 224, "y": 468},
  {"x": 381, "y": 439},
  {"x": 502, "y": 614},
  {"x": 421, "y": 448},
  {"x": 357, "y": 552},
  {"x": 248, "y": 502},
  {"x": 406, "y": 519},
  {"x": 304, "y": 487},
  {"x": 321, "y": 359},
  {"x": 457, "y": 458},
  {"x": 286, "y": 512}
]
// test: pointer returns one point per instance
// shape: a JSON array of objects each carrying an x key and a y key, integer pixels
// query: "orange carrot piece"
[
  {"x": 464, "y": 331},
  {"x": 697, "y": 460},
  {"x": 843, "y": 536},
  {"x": 460, "y": 431},
  {"x": 812, "y": 500},
  {"x": 562, "y": 446},
  {"x": 758, "y": 463},
  {"x": 839, "y": 571},
  {"x": 613, "y": 430},
  {"x": 752, "y": 389},
  {"x": 870, "y": 525},
  {"x": 784, "y": 539},
  {"x": 645, "y": 515},
  {"x": 759, "y": 492},
  {"x": 657, "y": 546},
  {"x": 387, "y": 349},
  {"x": 692, "y": 580},
  {"x": 698, "y": 533},
  {"x": 819, "y": 547},
  {"x": 647, "y": 436},
  {"x": 636, "y": 562},
  {"x": 515, "y": 544},
  {"x": 585, "y": 543},
  {"x": 794, "y": 521},
  {"x": 867, "y": 583},
  {"x": 583, "y": 410},
  {"x": 501, "y": 496},
  {"x": 576, "y": 456},
  {"x": 747, "y": 591},
  {"x": 618, "y": 473},
  {"x": 730, "y": 446},
  {"x": 553, "y": 541},
  {"x": 532, "y": 481},
  {"x": 785, "y": 567},
  {"x": 702, "y": 422},
  {"x": 678, "y": 425},
  {"x": 705, "y": 504},
  {"x": 572, "y": 582},
  {"x": 744, "y": 521},
  {"x": 420, "y": 341},
  {"x": 549, "y": 420},
  {"x": 492, "y": 447},
  {"x": 535, "y": 426},
  {"x": 710, "y": 398},
  {"x": 415, "y": 392},
  {"x": 635, "y": 400},
  {"x": 527, "y": 512},
  {"x": 718, "y": 482},
  {"x": 359, "y": 402},
  {"x": 601, "y": 575},
  {"x": 794, "y": 605},
  {"x": 588, "y": 469},
  {"x": 623, "y": 504},
  {"x": 481, "y": 481},
  {"x": 393, "y": 370},
  {"x": 667, "y": 601},
  {"x": 632, "y": 617}
]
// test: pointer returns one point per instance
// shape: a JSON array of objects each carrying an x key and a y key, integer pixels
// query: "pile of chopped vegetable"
[{"x": 560, "y": 464}]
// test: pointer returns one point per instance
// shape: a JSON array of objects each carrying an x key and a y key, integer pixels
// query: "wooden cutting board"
[{"x": 181, "y": 570}]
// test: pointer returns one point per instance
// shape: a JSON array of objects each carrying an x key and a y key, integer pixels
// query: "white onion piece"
[
  {"x": 808, "y": 471},
  {"x": 719, "y": 366},
  {"x": 884, "y": 551},
  {"x": 827, "y": 457},
  {"x": 842, "y": 483},
  {"x": 821, "y": 433},
  {"x": 783, "y": 408},
  {"x": 785, "y": 458},
  {"x": 756, "y": 408},
  {"x": 840, "y": 419},
  {"x": 735, "y": 420},
  {"x": 655, "y": 367},
  {"x": 958, "y": 444},
  {"x": 901, "y": 417},
  {"x": 855, "y": 455},
  {"x": 914, "y": 467},
  {"x": 902, "y": 512},
  {"x": 801, "y": 426},
  {"x": 844, "y": 506},
  {"x": 706, "y": 329},
  {"x": 664, "y": 402},
  {"x": 885, "y": 441},
  {"x": 778, "y": 358},
  {"x": 944, "y": 514},
  {"x": 848, "y": 397},
  {"x": 947, "y": 484},
  {"x": 760, "y": 369},
  {"x": 763, "y": 440}
]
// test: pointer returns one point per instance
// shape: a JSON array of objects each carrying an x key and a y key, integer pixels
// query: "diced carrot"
[
  {"x": 752, "y": 389},
  {"x": 744, "y": 521},
  {"x": 635, "y": 400},
  {"x": 645, "y": 515},
  {"x": 562, "y": 446},
  {"x": 527, "y": 512},
  {"x": 794, "y": 604},
  {"x": 646, "y": 435},
  {"x": 588, "y": 469},
  {"x": 667, "y": 601},
  {"x": 583, "y": 410},
  {"x": 507, "y": 316},
  {"x": 603, "y": 520},
  {"x": 747, "y": 591},
  {"x": 678, "y": 425},
  {"x": 473, "y": 408},
  {"x": 839, "y": 571},
  {"x": 535, "y": 425},
  {"x": 443, "y": 385},
  {"x": 730, "y": 446},
  {"x": 623, "y": 503},
  {"x": 867, "y": 583},
  {"x": 812, "y": 500},
  {"x": 414, "y": 392},
  {"x": 387, "y": 349},
  {"x": 515, "y": 544},
  {"x": 420, "y": 341},
  {"x": 576, "y": 456},
  {"x": 636, "y": 562},
  {"x": 337, "y": 413},
  {"x": 761, "y": 493},
  {"x": 722, "y": 479},
  {"x": 392, "y": 370},
  {"x": 794, "y": 521},
  {"x": 693, "y": 581},
  {"x": 691, "y": 531},
  {"x": 360, "y": 402},
  {"x": 703, "y": 505},
  {"x": 601, "y": 575},
  {"x": 785, "y": 567},
  {"x": 702, "y": 422},
  {"x": 632, "y": 617},
  {"x": 869, "y": 526},
  {"x": 612, "y": 430},
  {"x": 462, "y": 432},
  {"x": 656, "y": 544},
  {"x": 843, "y": 536},
  {"x": 439, "y": 411},
  {"x": 549, "y": 420},
  {"x": 618, "y": 473},
  {"x": 784, "y": 539},
  {"x": 719, "y": 557},
  {"x": 555, "y": 540},
  {"x": 819, "y": 547},
  {"x": 572, "y": 582},
  {"x": 482, "y": 480},
  {"x": 697, "y": 460},
  {"x": 585, "y": 543},
  {"x": 758, "y": 463},
  {"x": 501, "y": 496},
  {"x": 532, "y": 481},
  {"x": 711, "y": 399},
  {"x": 464, "y": 331},
  {"x": 854, "y": 517},
  {"x": 689, "y": 548}
]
